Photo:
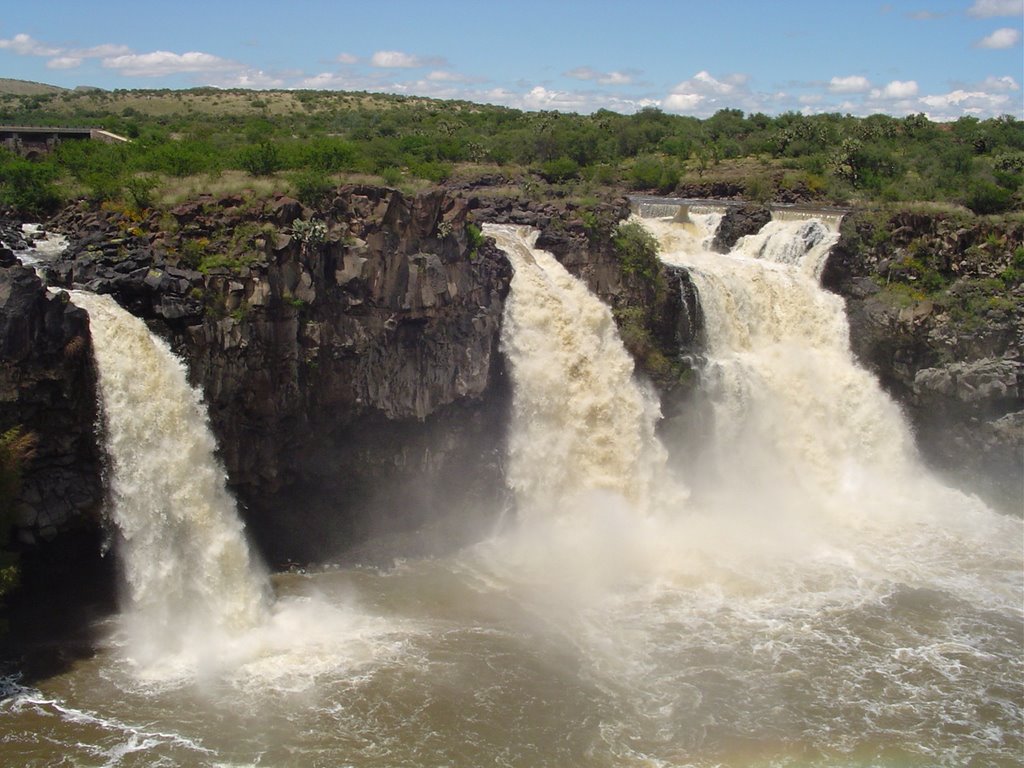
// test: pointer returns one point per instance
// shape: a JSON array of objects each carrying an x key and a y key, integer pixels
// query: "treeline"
[{"x": 313, "y": 138}]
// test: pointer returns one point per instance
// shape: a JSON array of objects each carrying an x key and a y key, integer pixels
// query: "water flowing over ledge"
[{"x": 189, "y": 574}]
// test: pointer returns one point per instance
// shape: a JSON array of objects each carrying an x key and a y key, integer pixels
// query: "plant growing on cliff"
[
  {"x": 310, "y": 232},
  {"x": 17, "y": 447},
  {"x": 476, "y": 238},
  {"x": 637, "y": 250}
]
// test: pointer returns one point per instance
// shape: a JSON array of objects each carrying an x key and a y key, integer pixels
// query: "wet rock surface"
[
  {"x": 47, "y": 390},
  {"x": 348, "y": 354},
  {"x": 936, "y": 310}
]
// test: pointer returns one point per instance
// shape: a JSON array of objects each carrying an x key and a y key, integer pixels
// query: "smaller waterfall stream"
[
  {"x": 581, "y": 423},
  {"x": 188, "y": 572}
]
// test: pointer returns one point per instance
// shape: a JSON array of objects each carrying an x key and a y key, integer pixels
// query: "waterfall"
[
  {"x": 189, "y": 576},
  {"x": 581, "y": 423},
  {"x": 797, "y": 422}
]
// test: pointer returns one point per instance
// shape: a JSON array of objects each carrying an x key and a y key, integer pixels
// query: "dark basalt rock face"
[
  {"x": 47, "y": 389},
  {"x": 936, "y": 311},
  {"x": 739, "y": 222},
  {"x": 348, "y": 355}
]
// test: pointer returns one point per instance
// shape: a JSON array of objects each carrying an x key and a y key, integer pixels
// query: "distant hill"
[{"x": 27, "y": 87}]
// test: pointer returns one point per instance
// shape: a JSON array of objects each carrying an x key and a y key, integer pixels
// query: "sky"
[{"x": 943, "y": 58}]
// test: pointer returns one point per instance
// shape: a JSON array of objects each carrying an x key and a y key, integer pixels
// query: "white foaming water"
[
  {"x": 804, "y": 439},
  {"x": 190, "y": 579},
  {"x": 581, "y": 424}
]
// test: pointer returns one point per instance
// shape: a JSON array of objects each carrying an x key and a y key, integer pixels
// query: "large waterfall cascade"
[
  {"x": 188, "y": 571},
  {"x": 818, "y": 598},
  {"x": 791, "y": 405}
]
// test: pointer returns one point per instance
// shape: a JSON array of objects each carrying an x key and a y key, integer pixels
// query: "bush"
[
  {"x": 28, "y": 186},
  {"x": 637, "y": 250},
  {"x": 984, "y": 197},
  {"x": 651, "y": 173},
  {"x": 312, "y": 187},
  {"x": 562, "y": 169},
  {"x": 261, "y": 159}
]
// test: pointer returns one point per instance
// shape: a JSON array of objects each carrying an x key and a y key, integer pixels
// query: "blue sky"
[{"x": 946, "y": 58}]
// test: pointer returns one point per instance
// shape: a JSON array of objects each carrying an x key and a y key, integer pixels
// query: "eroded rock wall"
[
  {"x": 47, "y": 390},
  {"x": 348, "y": 354},
  {"x": 936, "y": 309}
]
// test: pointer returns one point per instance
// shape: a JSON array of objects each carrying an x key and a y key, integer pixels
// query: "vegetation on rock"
[{"x": 16, "y": 448}]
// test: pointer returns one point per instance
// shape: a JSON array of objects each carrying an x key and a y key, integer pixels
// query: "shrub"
[
  {"x": 140, "y": 190},
  {"x": 651, "y": 172},
  {"x": 17, "y": 447},
  {"x": 562, "y": 169},
  {"x": 312, "y": 187},
  {"x": 28, "y": 186},
  {"x": 984, "y": 197},
  {"x": 262, "y": 159},
  {"x": 637, "y": 250}
]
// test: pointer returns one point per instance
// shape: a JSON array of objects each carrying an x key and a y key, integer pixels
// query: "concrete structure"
[{"x": 33, "y": 140}]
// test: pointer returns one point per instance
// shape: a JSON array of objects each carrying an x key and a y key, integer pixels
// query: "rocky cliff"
[
  {"x": 348, "y": 354},
  {"x": 936, "y": 308},
  {"x": 47, "y": 390}
]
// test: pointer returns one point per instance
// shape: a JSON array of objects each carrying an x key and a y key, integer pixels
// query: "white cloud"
[
  {"x": 898, "y": 89},
  {"x": 682, "y": 102},
  {"x": 64, "y": 62},
  {"x": 444, "y": 76},
  {"x": 602, "y": 78},
  {"x": 161, "y": 63},
  {"x": 24, "y": 45},
  {"x": 1005, "y": 37},
  {"x": 925, "y": 15},
  {"x": 703, "y": 94},
  {"x": 1004, "y": 83},
  {"x": 540, "y": 97},
  {"x": 986, "y": 9},
  {"x": 950, "y": 106},
  {"x": 851, "y": 84},
  {"x": 346, "y": 58},
  {"x": 101, "y": 51},
  {"x": 400, "y": 60},
  {"x": 250, "y": 78}
]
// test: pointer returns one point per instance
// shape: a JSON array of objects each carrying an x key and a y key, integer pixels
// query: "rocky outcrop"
[
  {"x": 936, "y": 309},
  {"x": 739, "y": 222},
  {"x": 47, "y": 389},
  {"x": 348, "y": 354}
]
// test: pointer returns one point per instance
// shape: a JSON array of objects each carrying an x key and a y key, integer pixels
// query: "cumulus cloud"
[
  {"x": 925, "y": 15},
  {"x": 64, "y": 62},
  {"x": 703, "y": 94},
  {"x": 602, "y": 78},
  {"x": 851, "y": 84},
  {"x": 444, "y": 76},
  {"x": 1005, "y": 37},
  {"x": 986, "y": 9},
  {"x": 346, "y": 58},
  {"x": 1004, "y": 83},
  {"x": 250, "y": 78},
  {"x": 898, "y": 89},
  {"x": 950, "y": 106},
  {"x": 400, "y": 60},
  {"x": 24, "y": 45},
  {"x": 161, "y": 63}
]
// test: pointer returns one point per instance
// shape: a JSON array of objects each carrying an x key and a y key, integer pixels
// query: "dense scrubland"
[{"x": 306, "y": 142}]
